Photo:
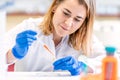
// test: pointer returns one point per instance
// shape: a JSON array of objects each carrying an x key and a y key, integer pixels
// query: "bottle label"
[{"x": 109, "y": 71}]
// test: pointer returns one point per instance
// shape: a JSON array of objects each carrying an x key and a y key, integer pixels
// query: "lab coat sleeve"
[
  {"x": 7, "y": 41},
  {"x": 95, "y": 60}
]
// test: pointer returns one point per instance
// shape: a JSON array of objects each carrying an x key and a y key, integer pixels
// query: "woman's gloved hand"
[
  {"x": 23, "y": 41},
  {"x": 69, "y": 63}
]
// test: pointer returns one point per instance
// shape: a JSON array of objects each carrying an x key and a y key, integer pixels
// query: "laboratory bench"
[{"x": 47, "y": 76}]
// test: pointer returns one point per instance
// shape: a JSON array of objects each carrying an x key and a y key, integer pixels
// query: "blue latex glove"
[
  {"x": 23, "y": 41},
  {"x": 69, "y": 63}
]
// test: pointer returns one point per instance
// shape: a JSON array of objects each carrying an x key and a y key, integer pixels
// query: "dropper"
[
  {"x": 47, "y": 48},
  {"x": 43, "y": 44}
]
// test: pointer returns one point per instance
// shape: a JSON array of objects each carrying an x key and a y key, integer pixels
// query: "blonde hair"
[{"x": 80, "y": 39}]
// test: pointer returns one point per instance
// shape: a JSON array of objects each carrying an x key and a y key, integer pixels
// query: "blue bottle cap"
[{"x": 110, "y": 49}]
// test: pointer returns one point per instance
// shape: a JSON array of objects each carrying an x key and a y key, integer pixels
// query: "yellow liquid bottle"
[{"x": 109, "y": 65}]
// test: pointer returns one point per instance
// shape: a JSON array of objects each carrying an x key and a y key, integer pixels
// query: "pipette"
[
  {"x": 46, "y": 48},
  {"x": 43, "y": 44}
]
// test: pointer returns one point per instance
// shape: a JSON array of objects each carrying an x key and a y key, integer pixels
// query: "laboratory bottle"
[{"x": 109, "y": 64}]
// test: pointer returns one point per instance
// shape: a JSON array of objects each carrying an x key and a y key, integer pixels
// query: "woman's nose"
[{"x": 69, "y": 22}]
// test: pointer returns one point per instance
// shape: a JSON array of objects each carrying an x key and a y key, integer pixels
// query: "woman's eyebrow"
[
  {"x": 80, "y": 17},
  {"x": 67, "y": 10},
  {"x": 71, "y": 12}
]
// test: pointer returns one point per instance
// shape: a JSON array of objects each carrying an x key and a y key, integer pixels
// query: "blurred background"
[{"x": 106, "y": 26}]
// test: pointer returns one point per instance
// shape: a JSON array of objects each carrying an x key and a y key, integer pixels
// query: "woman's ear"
[{"x": 54, "y": 8}]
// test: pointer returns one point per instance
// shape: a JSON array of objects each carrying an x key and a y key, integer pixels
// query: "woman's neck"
[{"x": 56, "y": 39}]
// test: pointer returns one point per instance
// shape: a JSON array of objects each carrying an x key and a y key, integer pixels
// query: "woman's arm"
[{"x": 10, "y": 57}]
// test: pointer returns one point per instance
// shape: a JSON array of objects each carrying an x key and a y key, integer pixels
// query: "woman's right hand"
[{"x": 23, "y": 41}]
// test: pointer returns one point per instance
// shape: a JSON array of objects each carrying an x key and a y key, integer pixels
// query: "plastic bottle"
[{"x": 109, "y": 65}]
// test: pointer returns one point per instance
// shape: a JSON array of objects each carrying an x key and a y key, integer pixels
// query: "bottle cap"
[{"x": 110, "y": 49}]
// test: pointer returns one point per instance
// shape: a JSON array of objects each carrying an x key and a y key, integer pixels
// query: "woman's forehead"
[{"x": 74, "y": 7}]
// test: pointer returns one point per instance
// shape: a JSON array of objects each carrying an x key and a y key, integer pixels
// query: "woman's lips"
[{"x": 64, "y": 28}]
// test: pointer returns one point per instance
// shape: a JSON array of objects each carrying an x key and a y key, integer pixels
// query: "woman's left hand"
[{"x": 71, "y": 64}]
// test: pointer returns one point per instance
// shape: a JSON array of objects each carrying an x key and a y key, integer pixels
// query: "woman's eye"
[
  {"x": 77, "y": 20},
  {"x": 65, "y": 13}
]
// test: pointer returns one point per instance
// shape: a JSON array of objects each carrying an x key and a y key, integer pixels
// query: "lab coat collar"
[{"x": 63, "y": 39}]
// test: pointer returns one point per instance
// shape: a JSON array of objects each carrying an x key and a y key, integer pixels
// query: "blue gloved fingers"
[
  {"x": 65, "y": 63},
  {"x": 25, "y": 38},
  {"x": 30, "y": 41},
  {"x": 31, "y": 32},
  {"x": 62, "y": 67},
  {"x": 26, "y": 34},
  {"x": 23, "y": 41},
  {"x": 82, "y": 65},
  {"x": 85, "y": 67},
  {"x": 72, "y": 65},
  {"x": 77, "y": 68},
  {"x": 60, "y": 61},
  {"x": 68, "y": 63}
]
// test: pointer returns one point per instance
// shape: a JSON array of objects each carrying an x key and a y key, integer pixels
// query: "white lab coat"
[{"x": 38, "y": 58}]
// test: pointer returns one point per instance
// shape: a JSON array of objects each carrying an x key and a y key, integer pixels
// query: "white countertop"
[{"x": 37, "y": 76}]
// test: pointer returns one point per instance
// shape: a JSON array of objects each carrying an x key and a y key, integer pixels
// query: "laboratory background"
[{"x": 106, "y": 26}]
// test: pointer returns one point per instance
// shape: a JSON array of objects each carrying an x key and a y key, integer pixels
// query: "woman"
[{"x": 66, "y": 30}]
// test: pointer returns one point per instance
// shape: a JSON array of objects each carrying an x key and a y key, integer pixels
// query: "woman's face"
[{"x": 68, "y": 17}]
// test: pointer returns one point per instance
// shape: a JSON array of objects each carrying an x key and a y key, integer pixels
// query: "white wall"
[
  {"x": 2, "y": 17},
  {"x": 29, "y": 6},
  {"x": 108, "y": 31},
  {"x": 108, "y": 7}
]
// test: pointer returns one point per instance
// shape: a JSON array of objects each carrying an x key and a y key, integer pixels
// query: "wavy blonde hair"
[{"x": 80, "y": 39}]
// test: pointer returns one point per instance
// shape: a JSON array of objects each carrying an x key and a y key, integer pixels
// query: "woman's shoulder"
[
  {"x": 31, "y": 23},
  {"x": 27, "y": 24},
  {"x": 36, "y": 21}
]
